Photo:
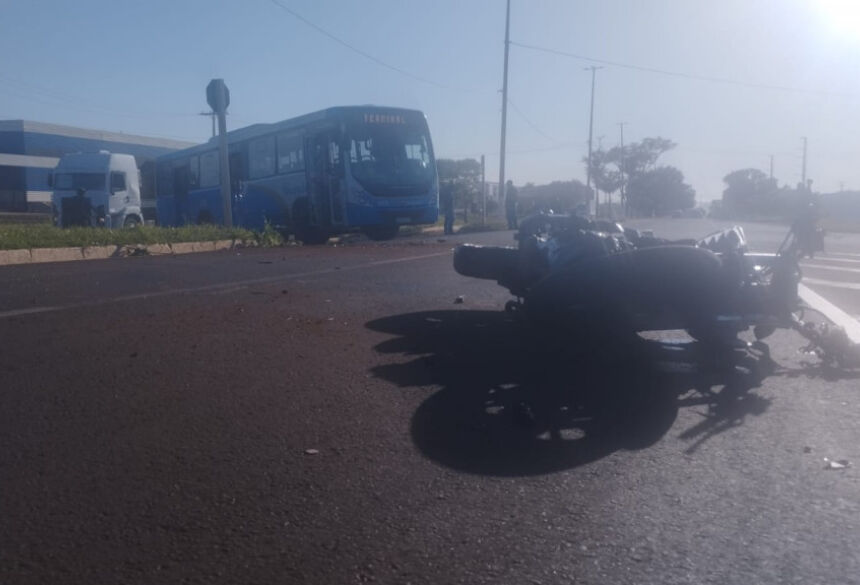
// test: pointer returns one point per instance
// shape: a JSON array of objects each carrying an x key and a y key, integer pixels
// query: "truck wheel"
[{"x": 131, "y": 222}]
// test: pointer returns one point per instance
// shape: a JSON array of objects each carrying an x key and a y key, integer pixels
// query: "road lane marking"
[
  {"x": 831, "y": 311},
  {"x": 835, "y": 259},
  {"x": 816, "y": 266},
  {"x": 843, "y": 254},
  {"x": 210, "y": 288},
  {"x": 833, "y": 283}
]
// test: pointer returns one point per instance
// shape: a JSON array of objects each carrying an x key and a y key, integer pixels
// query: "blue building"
[{"x": 29, "y": 150}]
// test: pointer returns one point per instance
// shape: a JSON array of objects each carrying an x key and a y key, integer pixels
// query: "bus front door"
[{"x": 326, "y": 179}]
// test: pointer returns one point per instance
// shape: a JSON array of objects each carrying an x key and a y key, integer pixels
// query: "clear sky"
[{"x": 142, "y": 66}]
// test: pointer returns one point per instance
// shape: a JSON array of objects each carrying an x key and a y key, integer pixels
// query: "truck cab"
[{"x": 96, "y": 189}]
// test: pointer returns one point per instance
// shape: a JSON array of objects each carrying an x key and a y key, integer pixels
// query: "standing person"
[
  {"x": 446, "y": 201},
  {"x": 511, "y": 205}
]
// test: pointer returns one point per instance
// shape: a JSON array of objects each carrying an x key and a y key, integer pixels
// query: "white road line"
[
  {"x": 842, "y": 254},
  {"x": 835, "y": 259},
  {"x": 833, "y": 283},
  {"x": 832, "y": 312},
  {"x": 816, "y": 266},
  {"x": 215, "y": 287}
]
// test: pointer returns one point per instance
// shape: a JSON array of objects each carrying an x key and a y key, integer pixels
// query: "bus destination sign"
[{"x": 384, "y": 119}]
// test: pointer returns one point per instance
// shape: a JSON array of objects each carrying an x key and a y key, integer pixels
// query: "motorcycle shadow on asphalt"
[{"x": 515, "y": 404}]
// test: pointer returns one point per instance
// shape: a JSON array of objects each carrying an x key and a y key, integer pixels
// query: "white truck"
[{"x": 99, "y": 189}]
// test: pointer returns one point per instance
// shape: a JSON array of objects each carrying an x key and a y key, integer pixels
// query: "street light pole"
[
  {"x": 621, "y": 168},
  {"x": 593, "y": 69},
  {"x": 803, "y": 170},
  {"x": 504, "y": 104}
]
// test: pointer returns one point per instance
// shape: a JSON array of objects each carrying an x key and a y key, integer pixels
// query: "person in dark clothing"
[
  {"x": 446, "y": 202},
  {"x": 511, "y": 205}
]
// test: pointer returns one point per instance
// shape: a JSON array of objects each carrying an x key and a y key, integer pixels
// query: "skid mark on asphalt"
[{"x": 224, "y": 287}]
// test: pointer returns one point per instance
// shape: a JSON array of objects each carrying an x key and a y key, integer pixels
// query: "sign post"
[{"x": 218, "y": 97}]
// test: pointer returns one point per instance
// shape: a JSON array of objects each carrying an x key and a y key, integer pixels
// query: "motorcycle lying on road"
[{"x": 597, "y": 279}]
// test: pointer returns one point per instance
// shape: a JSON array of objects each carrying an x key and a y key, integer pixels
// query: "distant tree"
[
  {"x": 660, "y": 191},
  {"x": 558, "y": 196},
  {"x": 751, "y": 191},
  {"x": 605, "y": 178},
  {"x": 617, "y": 168}
]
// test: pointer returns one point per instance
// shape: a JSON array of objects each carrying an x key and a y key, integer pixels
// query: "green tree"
[
  {"x": 660, "y": 191},
  {"x": 618, "y": 168},
  {"x": 751, "y": 191},
  {"x": 559, "y": 196},
  {"x": 604, "y": 177}
]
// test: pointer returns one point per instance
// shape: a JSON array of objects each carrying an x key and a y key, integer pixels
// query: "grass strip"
[{"x": 17, "y": 237}]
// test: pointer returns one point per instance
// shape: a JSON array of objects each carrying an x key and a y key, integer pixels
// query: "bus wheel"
[
  {"x": 379, "y": 233},
  {"x": 131, "y": 222}
]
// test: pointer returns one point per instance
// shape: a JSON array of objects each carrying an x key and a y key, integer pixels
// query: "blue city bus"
[{"x": 342, "y": 169}]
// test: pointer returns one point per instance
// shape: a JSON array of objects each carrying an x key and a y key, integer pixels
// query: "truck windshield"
[
  {"x": 88, "y": 181},
  {"x": 391, "y": 159}
]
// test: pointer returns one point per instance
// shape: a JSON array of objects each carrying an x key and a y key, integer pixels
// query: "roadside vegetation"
[{"x": 24, "y": 236}]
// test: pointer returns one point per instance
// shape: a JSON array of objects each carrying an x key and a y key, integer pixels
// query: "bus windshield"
[
  {"x": 88, "y": 181},
  {"x": 391, "y": 159}
]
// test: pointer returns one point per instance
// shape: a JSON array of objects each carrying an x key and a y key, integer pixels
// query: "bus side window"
[
  {"x": 180, "y": 179},
  {"x": 290, "y": 153},
  {"x": 163, "y": 178},
  {"x": 194, "y": 172},
  {"x": 236, "y": 171},
  {"x": 209, "y": 169},
  {"x": 261, "y": 155},
  {"x": 334, "y": 159}
]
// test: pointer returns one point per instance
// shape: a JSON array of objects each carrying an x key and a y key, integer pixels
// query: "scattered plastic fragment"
[
  {"x": 459, "y": 300},
  {"x": 836, "y": 464},
  {"x": 312, "y": 451}
]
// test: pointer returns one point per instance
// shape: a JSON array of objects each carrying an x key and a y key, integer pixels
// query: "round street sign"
[{"x": 217, "y": 95}]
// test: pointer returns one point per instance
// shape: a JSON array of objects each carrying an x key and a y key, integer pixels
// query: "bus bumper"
[{"x": 361, "y": 216}]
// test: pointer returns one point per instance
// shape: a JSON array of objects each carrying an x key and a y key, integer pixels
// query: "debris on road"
[
  {"x": 312, "y": 451},
  {"x": 836, "y": 464},
  {"x": 459, "y": 300}
]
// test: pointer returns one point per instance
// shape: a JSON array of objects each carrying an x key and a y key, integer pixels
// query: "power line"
[
  {"x": 533, "y": 126},
  {"x": 355, "y": 49},
  {"x": 682, "y": 75},
  {"x": 50, "y": 96}
]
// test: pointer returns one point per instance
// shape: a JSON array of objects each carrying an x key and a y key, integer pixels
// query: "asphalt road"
[{"x": 332, "y": 415}]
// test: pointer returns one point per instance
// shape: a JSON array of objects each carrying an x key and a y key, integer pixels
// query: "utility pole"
[
  {"x": 504, "y": 104},
  {"x": 593, "y": 69},
  {"x": 803, "y": 170},
  {"x": 621, "y": 168},
  {"x": 483, "y": 192},
  {"x": 771, "y": 167},
  {"x": 212, "y": 115},
  {"x": 218, "y": 97}
]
